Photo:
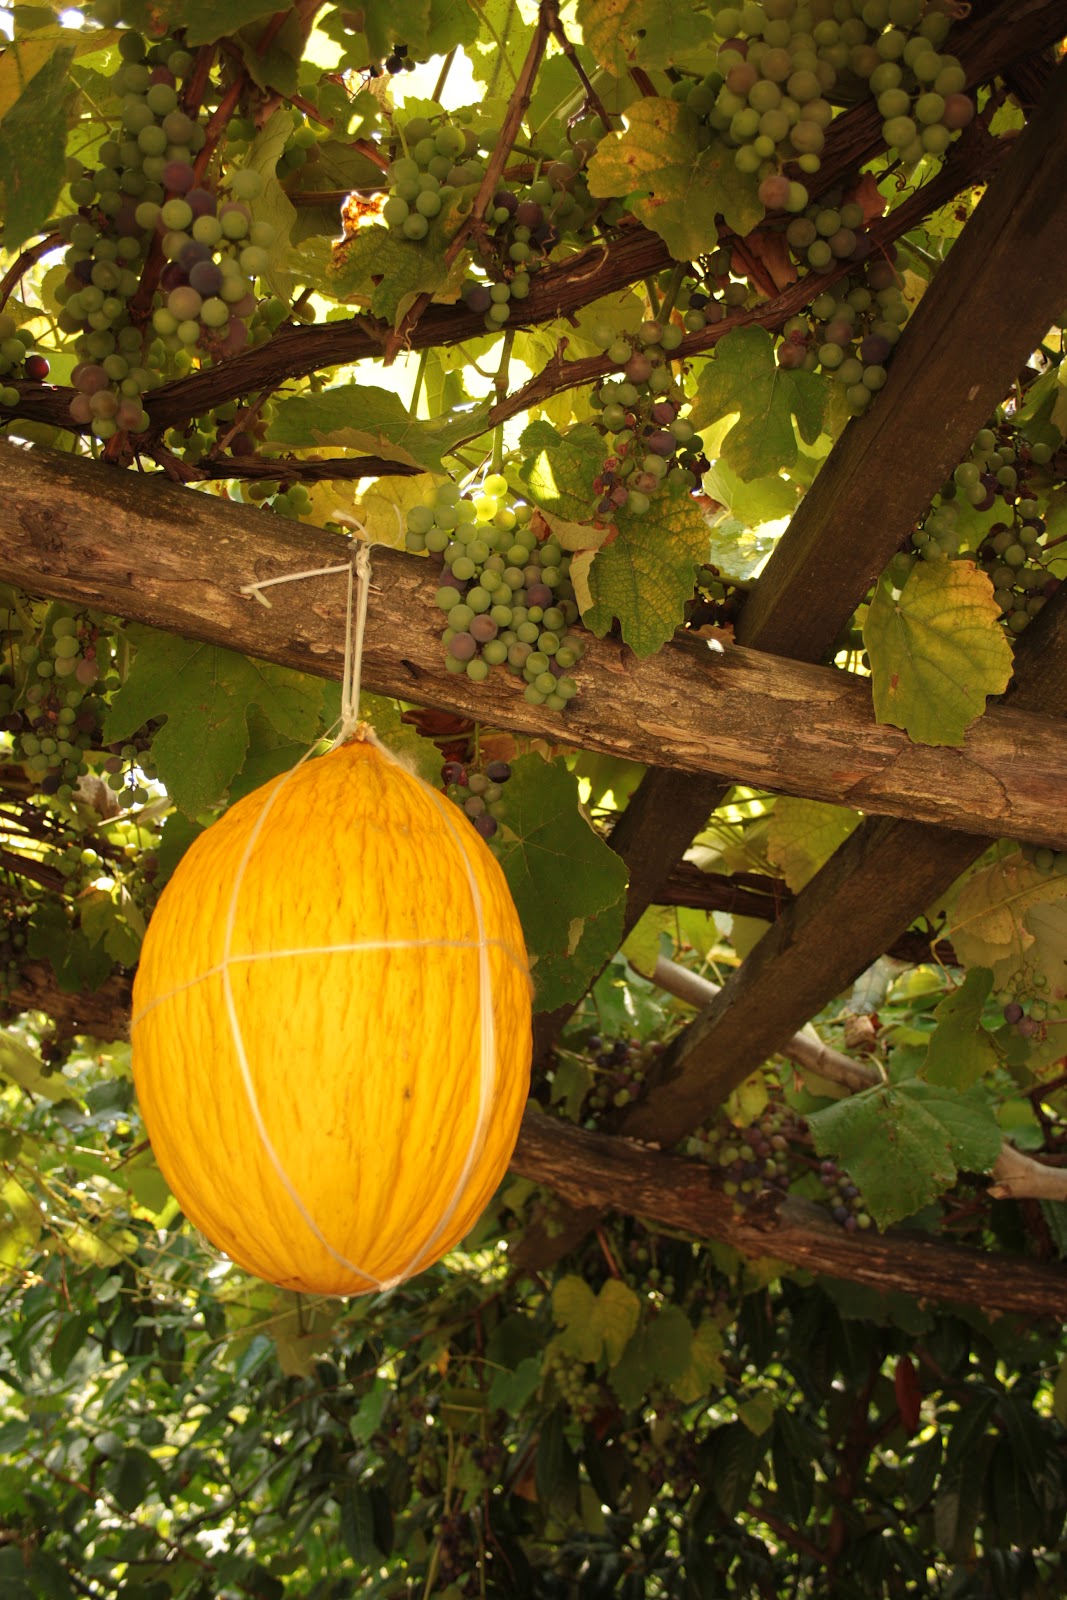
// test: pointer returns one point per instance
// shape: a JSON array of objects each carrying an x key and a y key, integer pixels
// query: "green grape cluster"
[
  {"x": 440, "y": 158},
  {"x": 147, "y": 189},
  {"x": 996, "y": 473},
  {"x": 477, "y": 793},
  {"x": 50, "y": 697},
  {"x": 850, "y": 332},
  {"x": 17, "y": 359},
  {"x": 832, "y": 229},
  {"x": 653, "y": 446},
  {"x": 507, "y": 597},
  {"x": 751, "y": 1159},
  {"x": 785, "y": 65},
  {"x": 14, "y": 934},
  {"x": 580, "y": 1393}
]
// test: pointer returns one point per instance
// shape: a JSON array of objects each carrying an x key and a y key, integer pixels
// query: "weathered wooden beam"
[
  {"x": 876, "y": 883},
  {"x": 591, "y": 1169},
  {"x": 177, "y": 559},
  {"x": 972, "y": 331}
]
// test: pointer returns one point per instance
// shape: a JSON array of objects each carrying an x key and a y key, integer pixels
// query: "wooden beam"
[
  {"x": 175, "y": 558},
  {"x": 876, "y": 883},
  {"x": 971, "y": 333},
  {"x": 595, "y": 1170}
]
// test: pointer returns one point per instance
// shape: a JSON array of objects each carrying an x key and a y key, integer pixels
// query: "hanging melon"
[{"x": 331, "y": 1026}]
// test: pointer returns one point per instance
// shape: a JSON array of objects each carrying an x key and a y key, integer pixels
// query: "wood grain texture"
[
  {"x": 591, "y": 1169},
  {"x": 177, "y": 559}
]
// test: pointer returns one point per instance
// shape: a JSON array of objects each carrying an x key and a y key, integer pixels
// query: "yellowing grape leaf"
[
  {"x": 645, "y": 576},
  {"x": 937, "y": 650},
  {"x": 674, "y": 185},
  {"x": 803, "y": 834},
  {"x": 993, "y": 923},
  {"x": 558, "y": 471},
  {"x": 646, "y": 33},
  {"x": 743, "y": 378}
]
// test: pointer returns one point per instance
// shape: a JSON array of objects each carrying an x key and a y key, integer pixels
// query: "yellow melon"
[{"x": 331, "y": 1026}]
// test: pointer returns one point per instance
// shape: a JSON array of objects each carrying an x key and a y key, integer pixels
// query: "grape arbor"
[{"x": 697, "y": 373}]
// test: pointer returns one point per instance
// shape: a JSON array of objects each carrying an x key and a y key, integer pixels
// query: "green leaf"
[
  {"x": 205, "y": 693},
  {"x": 750, "y": 502},
  {"x": 558, "y": 471},
  {"x": 273, "y": 205},
  {"x": 632, "y": 1378},
  {"x": 960, "y": 1050},
  {"x": 802, "y": 835},
  {"x": 650, "y": 33},
  {"x": 561, "y": 874},
  {"x": 385, "y": 271},
  {"x": 509, "y": 1391},
  {"x": 573, "y": 1307},
  {"x": 644, "y": 577},
  {"x": 743, "y": 378},
  {"x": 205, "y": 21},
  {"x": 32, "y": 149},
  {"x": 556, "y": 1468},
  {"x": 357, "y": 1525},
  {"x": 669, "y": 1344},
  {"x": 642, "y": 947},
  {"x": 937, "y": 650},
  {"x": 19, "y": 1064},
  {"x": 102, "y": 922},
  {"x": 77, "y": 963},
  {"x": 357, "y": 416},
  {"x": 496, "y": 60},
  {"x": 758, "y": 1413},
  {"x": 615, "y": 1317},
  {"x": 737, "y": 1454},
  {"x": 903, "y": 1144},
  {"x": 705, "y": 1370},
  {"x": 671, "y": 182}
]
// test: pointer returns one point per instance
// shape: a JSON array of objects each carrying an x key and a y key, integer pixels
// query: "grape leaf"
[
  {"x": 562, "y": 877},
  {"x": 803, "y": 834},
  {"x": 675, "y": 186},
  {"x": 32, "y": 149},
  {"x": 705, "y": 1370},
  {"x": 937, "y": 650},
  {"x": 19, "y": 1064},
  {"x": 902, "y": 1144},
  {"x": 960, "y": 1050},
  {"x": 743, "y": 377},
  {"x": 205, "y": 693},
  {"x": 558, "y": 470},
  {"x": 273, "y": 205},
  {"x": 615, "y": 1316},
  {"x": 205, "y": 21},
  {"x": 376, "y": 267},
  {"x": 357, "y": 416},
  {"x": 992, "y": 924},
  {"x": 761, "y": 500},
  {"x": 497, "y": 61},
  {"x": 650, "y": 33},
  {"x": 645, "y": 576},
  {"x": 573, "y": 1305}
]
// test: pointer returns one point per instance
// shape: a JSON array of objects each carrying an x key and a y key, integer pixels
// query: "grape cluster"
[
  {"x": 833, "y": 229},
  {"x": 580, "y": 1393},
  {"x": 784, "y": 65},
  {"x": 492, "y": 301},
  {"x": 439, "y": 159},
  {"x": 17, "y": 359},
  {"x": 845, "y": 1200},
  {"x": 621, "y": 1067},
  {"x": 850, "y": 332},
  {"x": 14, "y": 932},
  {"x": 1011, "y": 552},
  {"x": 477, "y": 794},
  {"x": 507, "y": 598},
  {"x": 752, "y": 1158},
  {"x": 146, "y": 196},
  {"x": 653, "y": 446}
]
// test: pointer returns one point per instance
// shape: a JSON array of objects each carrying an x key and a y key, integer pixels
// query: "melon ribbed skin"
[{"x": 366, "y": 1065}]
